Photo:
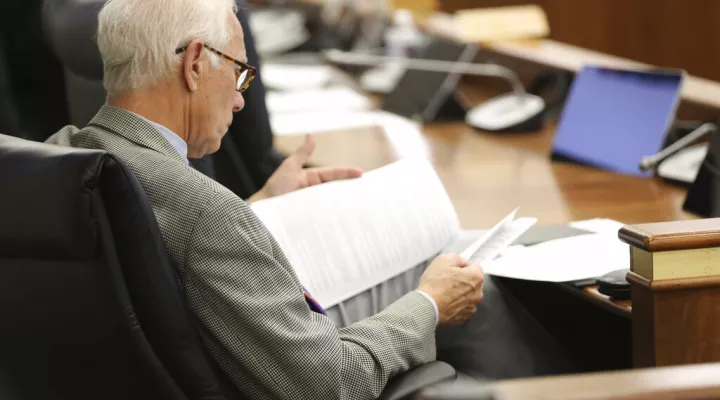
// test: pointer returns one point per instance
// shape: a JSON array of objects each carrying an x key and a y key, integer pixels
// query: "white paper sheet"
[
  {"x": 497, "y": 239},
  {"x": 297, "y": 123},
  {"x": 563, "y": 260},
  {"x": 344, "y": 237},
  {"x": 331, "y": 99},
  {"x": 598, "y": 225},
  {"x": 405, "y": 136},
  {"x": 321, "y": 121},
  {"x": 295, "y": 77}
]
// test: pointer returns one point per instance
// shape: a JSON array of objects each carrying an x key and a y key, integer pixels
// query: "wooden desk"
[{"x": 488, "y": 175}]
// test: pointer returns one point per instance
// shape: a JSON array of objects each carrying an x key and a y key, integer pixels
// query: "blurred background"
[
  {"x": 427, "y": 73},
  {"x": 667, "y": 33},
  {"x": 51, "y": 73}
]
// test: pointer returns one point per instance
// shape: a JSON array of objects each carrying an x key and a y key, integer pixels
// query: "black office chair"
[
  {"x": 89, "y": 303},
  {"x": 90, "y": 306}
]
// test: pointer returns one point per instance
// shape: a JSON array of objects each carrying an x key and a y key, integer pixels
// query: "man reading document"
[{"x": 175, "y": 71}]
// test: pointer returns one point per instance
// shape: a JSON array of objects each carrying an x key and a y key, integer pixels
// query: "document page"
[
  {"x": 295, "y": 77},
  {"x": 564, "y": 260},
  {"x": 498, "y": 238},
  {"x": 334, "y": 99},
  {"x": 345, "y": 237}
]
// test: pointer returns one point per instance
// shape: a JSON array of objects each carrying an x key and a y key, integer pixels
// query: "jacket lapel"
[{"x": 135, "y": 129}]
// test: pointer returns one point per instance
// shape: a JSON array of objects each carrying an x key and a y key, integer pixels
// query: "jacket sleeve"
[{"x": 259, "y": 328}]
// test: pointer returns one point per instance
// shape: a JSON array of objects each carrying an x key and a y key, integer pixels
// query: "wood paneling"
[
  {"x": 668, "y": 33},
  {"x": 674, "y": 321}
]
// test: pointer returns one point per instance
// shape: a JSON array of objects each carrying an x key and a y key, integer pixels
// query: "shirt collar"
[{"x": 175, "y": 141}]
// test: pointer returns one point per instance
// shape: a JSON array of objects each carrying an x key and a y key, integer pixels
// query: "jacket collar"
[{"x": 134, "y": 129}]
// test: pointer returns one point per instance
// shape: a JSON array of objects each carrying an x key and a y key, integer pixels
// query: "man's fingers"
[
  {"x": 304, "y": 152},
  {"x": 465, "y": 314},
  {"x": 478, "y": 295},
  {"x": 321, "y": 175},
  {"x": 455, "y": 259},
  {"x": 476, "y": 266},
  {"x": 475, "y": 272}
]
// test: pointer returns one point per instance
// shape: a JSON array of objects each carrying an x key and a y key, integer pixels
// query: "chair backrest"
[{"x": 89, "y": 304}]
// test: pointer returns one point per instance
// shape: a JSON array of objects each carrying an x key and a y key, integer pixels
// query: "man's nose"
[{"x": 239, "y": 102}]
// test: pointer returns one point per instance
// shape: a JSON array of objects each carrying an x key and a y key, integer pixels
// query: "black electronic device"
[
  {"x": 428, "y": 96},
  {"x": 615, "y": 285},
  {"x": 703, "y": 197}
]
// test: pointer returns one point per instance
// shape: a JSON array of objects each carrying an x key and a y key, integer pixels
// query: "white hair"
[{"x": 138, "y": 38}]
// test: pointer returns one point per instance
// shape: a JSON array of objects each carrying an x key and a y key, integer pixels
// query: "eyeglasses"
[{"x": 243, "y": 75}]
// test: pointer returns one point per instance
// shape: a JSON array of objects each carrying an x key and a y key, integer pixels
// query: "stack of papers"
[
  {"x": 569, "y": 259},
  {"x": 295, "y": 77},
  {"x": 330, "y": 99},
  {"x": 495, "y": 241},
  {"x": 404, "y": 135}
]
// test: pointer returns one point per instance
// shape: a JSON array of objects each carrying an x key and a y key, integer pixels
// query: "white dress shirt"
[
  {"x": 175, "y": 141},
  {"x": 434, "y": 304}
]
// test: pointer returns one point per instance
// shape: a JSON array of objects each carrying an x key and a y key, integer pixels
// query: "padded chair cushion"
[
  {"x": 66, "y": 334},
  {"x": 154, "y": 288},
  {"x": 45, "y": 208},
  {"x": 88, "y": 234},
  {"x": 69, "y": 329}
]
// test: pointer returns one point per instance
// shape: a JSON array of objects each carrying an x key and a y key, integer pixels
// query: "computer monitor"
[
  {"x": 613, "y": 118},
  {"x": 427, "y": 96}
]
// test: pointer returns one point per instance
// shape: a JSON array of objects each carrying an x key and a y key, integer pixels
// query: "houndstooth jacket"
[{"x": 249, "y": 303}]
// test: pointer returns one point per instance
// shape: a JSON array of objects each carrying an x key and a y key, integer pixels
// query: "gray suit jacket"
[{"x": 253, "y": 316}]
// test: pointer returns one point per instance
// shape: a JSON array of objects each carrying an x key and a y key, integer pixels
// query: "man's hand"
[
  {"x": 291, "y": 175},
  {"x": 455, "y": 285}
]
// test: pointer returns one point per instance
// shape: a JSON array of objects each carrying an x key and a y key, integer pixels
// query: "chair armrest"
[
  {"x": 464, "y": 388},
  {"x": 410, "y": 382}
]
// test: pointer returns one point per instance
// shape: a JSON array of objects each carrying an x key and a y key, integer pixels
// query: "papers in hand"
[
  {"x": 344, "y": 237},
  {"x": 497, "y": 239}
]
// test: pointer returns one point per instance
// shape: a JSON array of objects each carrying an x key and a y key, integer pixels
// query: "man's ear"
[{"x": 193, "y": 68}]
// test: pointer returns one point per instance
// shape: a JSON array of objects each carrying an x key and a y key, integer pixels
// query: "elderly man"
[{"x": 174, "y": 73}]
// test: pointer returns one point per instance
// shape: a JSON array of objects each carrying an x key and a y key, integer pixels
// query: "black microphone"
[
  {"x": 652, "y": 161},
  {"x": 355, "y": 58}
]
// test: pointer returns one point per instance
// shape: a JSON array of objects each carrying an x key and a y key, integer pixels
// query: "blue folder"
[{"x": 613, "y": 118}]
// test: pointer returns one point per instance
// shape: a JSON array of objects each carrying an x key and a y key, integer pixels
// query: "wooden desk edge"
[
  {"x": 590, "y": 293},
  {"x": 656, "y": 383}
]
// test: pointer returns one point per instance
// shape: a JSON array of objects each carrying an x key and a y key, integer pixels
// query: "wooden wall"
[{"x": 669, "y": 33}]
